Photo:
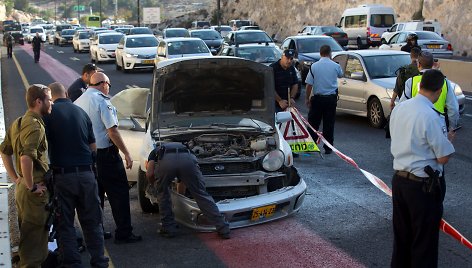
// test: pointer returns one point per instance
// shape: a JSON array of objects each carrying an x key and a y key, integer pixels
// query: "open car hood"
[{"x": 204, "y": 87}]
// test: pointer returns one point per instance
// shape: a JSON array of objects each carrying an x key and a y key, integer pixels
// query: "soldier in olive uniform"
[{"x": 26, "y": 140}]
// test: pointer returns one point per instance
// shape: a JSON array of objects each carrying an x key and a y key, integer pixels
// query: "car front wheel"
[
  {"x": 375, "y": 113},
  {"x": 146, "y": 205}
]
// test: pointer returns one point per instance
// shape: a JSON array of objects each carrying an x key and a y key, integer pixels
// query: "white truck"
[{"x": 416, "y": 25}]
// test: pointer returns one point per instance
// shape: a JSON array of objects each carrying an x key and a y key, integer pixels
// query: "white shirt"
[
  {"x": 419, "y": 136},
  {"x": 101, "y": 112}
]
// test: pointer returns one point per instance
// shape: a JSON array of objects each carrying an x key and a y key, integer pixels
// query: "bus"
[{"x": 92, "y": 21}]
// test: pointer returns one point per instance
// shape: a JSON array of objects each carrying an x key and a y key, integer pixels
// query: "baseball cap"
[
  {"x": 91, "y": 67},
  {"x": 289, "y": 53}
]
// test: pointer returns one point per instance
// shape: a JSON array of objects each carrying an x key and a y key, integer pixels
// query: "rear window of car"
[
  {"x": 203, "y": 24},
  {"x": 122, "y": 30},
  {"x": 110, "y": 39},
  {"x": 313, "y": 45},
  {"x": 177, "y": 33},
  {"x": 68, "y": 32},
  {"x": 187, "y": 47},
  {"x": 206, "y": 35},
  {"x": 252, "y": 37},
  {"x": 241, "y": 23},
  {"x": 140, "y": 31},
  {"x": 259, "y": 54},
  {"x": 330, "y": 29},
  {"x": 428, "y": 36},
  {"x": 141, "y": 42},
  {"x": 382, "y": 20}
]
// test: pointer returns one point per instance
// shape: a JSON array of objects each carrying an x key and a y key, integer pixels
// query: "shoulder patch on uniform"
[
  {"x": 104, "y": 96},
  {"x": 109, "y": 107}
]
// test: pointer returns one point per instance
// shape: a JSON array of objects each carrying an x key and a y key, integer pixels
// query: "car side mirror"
[
  {"x": 120, "y": 47},
  {"x": 336, "y": 24},
  {"x": 283, "y": 117},
  {"x": 358, "y": 76},
  {"x": 130, "y": 124},
  {"x": 161, "y": 55},
  {"x": 388, "y": 30}
]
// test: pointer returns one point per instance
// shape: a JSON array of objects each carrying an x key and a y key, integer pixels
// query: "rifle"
[{"x": 51, "y": 206}]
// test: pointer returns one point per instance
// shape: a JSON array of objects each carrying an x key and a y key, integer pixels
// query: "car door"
[
  {"x": 398, "y": 41},
  {"x": 352, "y": 85}
]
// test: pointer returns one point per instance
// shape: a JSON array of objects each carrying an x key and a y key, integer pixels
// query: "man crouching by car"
[{"x": 172, "y": 160}]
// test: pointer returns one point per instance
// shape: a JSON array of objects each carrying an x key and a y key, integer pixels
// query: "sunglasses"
[
  {"x": 41, "y": 86},
  {"x": 101, "y": 82}
]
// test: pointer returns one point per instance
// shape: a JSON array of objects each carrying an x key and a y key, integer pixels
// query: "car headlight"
[
  {"x": 457, "y": 90},
  {"x": 273, "y": 160},
  {"x": 102, "y": 49},
  {"x": 131, "y": 55},
  {"x": 309, "y": 63}
]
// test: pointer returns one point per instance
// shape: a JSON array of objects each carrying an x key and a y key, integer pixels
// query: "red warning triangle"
[{"x": 291, "y": 134}]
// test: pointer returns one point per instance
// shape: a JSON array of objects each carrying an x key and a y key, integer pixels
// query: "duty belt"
[
  {"x": 59, "y": 170},
  {"x": 410, "y": 176}
]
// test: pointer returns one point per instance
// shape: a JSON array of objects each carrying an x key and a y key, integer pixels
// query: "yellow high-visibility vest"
[{"x": 439, "y": 105}]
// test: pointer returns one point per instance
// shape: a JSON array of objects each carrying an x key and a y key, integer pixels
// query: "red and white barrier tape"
[{"x": 444, "y": 226}]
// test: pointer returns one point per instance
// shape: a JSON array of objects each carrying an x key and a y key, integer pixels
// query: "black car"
[
  {"x": 65, "y": 37},
  {"x": 335, "y": 32},
  {"x": 248, "y": 37},
  {"x": 211, "y": 38},
  {"x": 307, "y": 48},
  {"x": 59, "y": 29},
  {"x": 16, "y": 32}
]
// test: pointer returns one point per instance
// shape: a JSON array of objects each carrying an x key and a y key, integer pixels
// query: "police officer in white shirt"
[
  {"x": 419, "y": 139},
  {"x": 111, "y": 171}
]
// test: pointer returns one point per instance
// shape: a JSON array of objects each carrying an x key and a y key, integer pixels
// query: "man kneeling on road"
[{"x": 172, "y": 160}]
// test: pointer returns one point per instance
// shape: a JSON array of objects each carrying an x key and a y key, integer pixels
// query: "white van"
[{"x": 365, "y": 24}]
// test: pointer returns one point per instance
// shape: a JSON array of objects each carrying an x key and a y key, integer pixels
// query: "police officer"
[
  {"x": 36, "y": 42},
  {"x": 285, "y": 78},
  {"x": 80, "y": 85},
  {"x": 172, "y": 160},
  {"x": 419, "y": 139},
  {"x": 26, "y": 140},
  {"x": 322, "y": 94},
  {"x": 111, "y": 171},
  {"x": 9, "y": 43},
  {"x": 75, "y": 184},
  {"x": 447, "y": 102},
  {"x": 411, "y": 42}
]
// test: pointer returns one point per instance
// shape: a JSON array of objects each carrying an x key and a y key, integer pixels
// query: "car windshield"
[
  {"x": 259, "y": 54},
  {"x": 13, "y": 27},
  {"x": 223, "y": 29},
  {"x": 110, "y": 39},
  {"x": 68, "y": 32},
  {"x": 48, "y": 27},
  {"x": 140, "y": 31},
  {"x": 187, "y": 47},
  {"x": 177, "y": 33},
  {"x": 37, "y": 30},
  {"x": 221, "y": 122},
  {"x": 384, "y": 66},
  {"x": 241, "y": 23},
  {"x": 252, "y": 37},
  {"x": 141, "y": 42},
  {"x": 313, "y": 45},
  {"x": 84, "y": 35},
  {"x": 428, "y": 36},
  {"x": 206, "y": 35},
  {"x": 330, "y": 29}
]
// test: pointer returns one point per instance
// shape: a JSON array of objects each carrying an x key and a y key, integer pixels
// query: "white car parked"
[
  {"x": 32, "y": 33},
  {"x": 181, "y": 47},
  {"x": 81, "y": 41},
  {"x": 136, "y": 52},
  {"x": 103, "y": 46}
]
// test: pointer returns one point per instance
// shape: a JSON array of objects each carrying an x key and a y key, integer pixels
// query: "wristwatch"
[{"x": 34, "y": 188}]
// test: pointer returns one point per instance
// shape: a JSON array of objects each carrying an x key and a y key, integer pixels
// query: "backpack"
[
  {"x": 404, "y": 73},
  {"x": 9, "y": 39}
]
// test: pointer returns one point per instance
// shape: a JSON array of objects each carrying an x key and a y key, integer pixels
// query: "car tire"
[
  {"x": 96, "y": 59},
  {"x": 144, "y": 202},
  {"x": 123, "y": 67},
  {"x": 375, "y": 114},
  {"x": 117, "y": 66},
  {"x": 360, "y": 45}
]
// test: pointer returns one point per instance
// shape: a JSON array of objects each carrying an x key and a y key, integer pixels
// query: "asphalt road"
[{"x": 344, "y": 222}]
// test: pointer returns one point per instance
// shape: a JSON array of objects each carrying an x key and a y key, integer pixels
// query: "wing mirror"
[{"x": 120, "y": 47}]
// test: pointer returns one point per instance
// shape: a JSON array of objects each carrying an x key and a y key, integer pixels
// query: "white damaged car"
[{"x": 222, "y": 109}]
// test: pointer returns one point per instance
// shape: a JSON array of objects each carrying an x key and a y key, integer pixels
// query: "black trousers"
[
  {"x": 323, "y": 108},
  {"x": 36, "y": 54},
  {"x": 112, "y": 176},
  {"x": 416, "y": 218},
  {"x": 10, "y": 51}
]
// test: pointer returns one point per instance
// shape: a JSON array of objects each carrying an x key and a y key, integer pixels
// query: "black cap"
[
  {"x": 289, "y": 53},
  {"x": 90, "y": 67}
]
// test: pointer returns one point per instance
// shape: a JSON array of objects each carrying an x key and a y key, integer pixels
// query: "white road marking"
[
  {"x": 60, "y": 51},
  {"x": 74, "y": 58},
  {"x": 468, "y": 115},
  {"x": 468, "y": 98}
]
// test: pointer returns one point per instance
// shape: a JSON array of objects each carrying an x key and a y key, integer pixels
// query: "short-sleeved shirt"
[
  {"x": 451, "y": 100},
  {"x": 28, "y": 137},
  {"x": 69, "y": 132},
  {"x": 76, "y": 89},
  {"x": 419, "y": 136},
  {"x": 323, "y": 76},
  {"x": 284, "y": 79},
  {"x": 102, "y": 114}
]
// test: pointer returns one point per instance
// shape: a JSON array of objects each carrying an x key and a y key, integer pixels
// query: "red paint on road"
[
  {"x": 56, "y": 69},
  {"x": 284, "y": 243}
]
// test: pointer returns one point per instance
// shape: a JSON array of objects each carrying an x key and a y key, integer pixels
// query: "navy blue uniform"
[{"x": 284, "y": 79}]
